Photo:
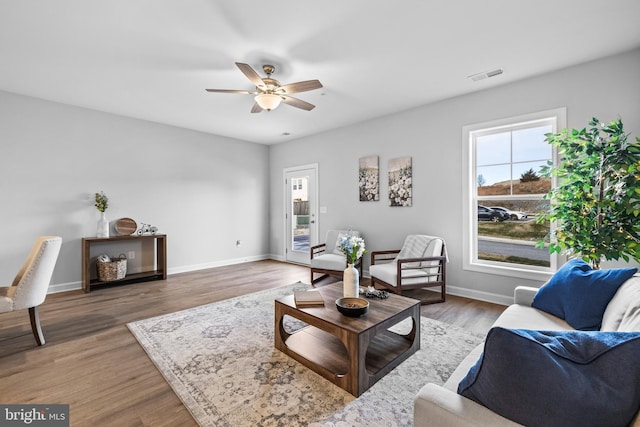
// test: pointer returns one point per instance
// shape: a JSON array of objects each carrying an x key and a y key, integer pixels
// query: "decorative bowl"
[{"x": 352, "y": 306}]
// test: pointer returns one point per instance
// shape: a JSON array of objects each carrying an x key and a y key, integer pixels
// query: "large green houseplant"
[{"x": 596, "y": 203}]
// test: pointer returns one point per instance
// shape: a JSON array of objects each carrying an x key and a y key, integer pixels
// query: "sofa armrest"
[
  {"x": 523, "y": 295},
  {"x": 437, "y": 406}
]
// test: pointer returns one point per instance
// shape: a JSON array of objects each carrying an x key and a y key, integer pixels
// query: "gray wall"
[
  {"x": 432, "y": 136},
  {"x": 204, "y": 191}
]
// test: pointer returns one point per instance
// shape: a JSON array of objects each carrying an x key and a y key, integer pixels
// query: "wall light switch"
[{"x": 323, "y": 209}]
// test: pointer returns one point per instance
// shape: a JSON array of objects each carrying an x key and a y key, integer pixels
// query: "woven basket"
[{"x": 116, "y": 269}]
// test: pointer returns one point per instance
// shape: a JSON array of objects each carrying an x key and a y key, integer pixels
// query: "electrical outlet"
[{"x": 131, "y": 255}]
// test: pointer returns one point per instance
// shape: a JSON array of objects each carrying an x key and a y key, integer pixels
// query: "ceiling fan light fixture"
[
  {"x": 269, "y": 93},
  {"x": 268, "y": 101}
]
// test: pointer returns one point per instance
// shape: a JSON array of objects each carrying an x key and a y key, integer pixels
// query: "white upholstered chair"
[
  {"x": 29, "y": 288},
  {"x": 327, "y": 259},
  {"x": 421, "y": 263}
]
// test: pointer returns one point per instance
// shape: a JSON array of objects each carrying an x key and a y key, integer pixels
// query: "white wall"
[
  {"x": 432, "y": 136},
  {"x": 204, "y": 191}
]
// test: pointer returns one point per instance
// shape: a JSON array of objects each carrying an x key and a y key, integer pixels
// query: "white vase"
[
  {"x": 103, "y": 226},
  {"x": 351, "y": 282}
]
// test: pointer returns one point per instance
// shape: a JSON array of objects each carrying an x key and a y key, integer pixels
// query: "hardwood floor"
[{"x": 93, "y": 363}]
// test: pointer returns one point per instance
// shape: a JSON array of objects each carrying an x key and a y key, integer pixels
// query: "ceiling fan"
[{"x": 269, "y": 93}]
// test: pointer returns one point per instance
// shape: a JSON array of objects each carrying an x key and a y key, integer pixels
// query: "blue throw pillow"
[
  {"x": 580, "y": 295},
  {"x": 553, "y": 378}
]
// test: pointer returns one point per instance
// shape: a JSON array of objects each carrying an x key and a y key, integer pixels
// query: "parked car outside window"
[
  {"x": 488, "y": 214},
  {"x": 514, "y": 215}
]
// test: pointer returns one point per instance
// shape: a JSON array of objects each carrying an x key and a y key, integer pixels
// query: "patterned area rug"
[{"x": 220, "y": 360}]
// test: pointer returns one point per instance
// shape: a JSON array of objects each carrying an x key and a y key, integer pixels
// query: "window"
[
  {"x": 504, "y": 194},
  {"x": 297, "y": 184}
]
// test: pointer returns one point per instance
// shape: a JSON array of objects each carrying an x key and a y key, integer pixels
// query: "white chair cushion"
[
  {"x": 388, "y": 273},
  {"x": 329, "y": 261},
  {"x": 336, "y": 244},
  {"x": 334, "y": 237},
  {"x": 419, "y": 246},
  {"x": 6, "y": 299},
  {"x": 330, "y": 241}
]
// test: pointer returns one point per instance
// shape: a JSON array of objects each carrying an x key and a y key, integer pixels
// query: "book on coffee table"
[{"x": 308, "y": 298}]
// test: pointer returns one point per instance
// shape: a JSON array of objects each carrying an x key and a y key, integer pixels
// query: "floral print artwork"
[
  {"x": 369, "y": 179},
  {"x": 400, "y": 175}
]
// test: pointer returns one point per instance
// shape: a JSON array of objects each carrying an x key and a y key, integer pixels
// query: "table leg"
[{"x": 279, "y": 333}]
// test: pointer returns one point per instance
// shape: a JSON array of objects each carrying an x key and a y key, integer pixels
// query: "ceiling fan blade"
[
  {"x": 298, "y": 103},
  {"x": 249, "y": 92},
  {"x": 256, "y": 108},
  {"x": 301, "y": 86},
  {"x": 250, "y": 73}
]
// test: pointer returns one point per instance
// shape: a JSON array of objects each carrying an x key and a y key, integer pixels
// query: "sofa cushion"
[
  {"x": 558, "y": 378},
  {"x": 580, "y": 295},
  {"x": 623, "y": 312},
  {"x": 524, "y": 317},
  {"x": 462, "y": 369}
]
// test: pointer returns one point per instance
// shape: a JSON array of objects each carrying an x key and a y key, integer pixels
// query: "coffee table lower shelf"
[
  {"x": 327, "y": 352},
  {"x": 353, "y": 359}
]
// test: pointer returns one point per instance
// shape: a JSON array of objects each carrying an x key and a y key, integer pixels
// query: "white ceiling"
[{"x": 153, "y": 59}]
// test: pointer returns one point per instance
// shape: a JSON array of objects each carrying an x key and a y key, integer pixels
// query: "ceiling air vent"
[{"x": 486, "y": 74}]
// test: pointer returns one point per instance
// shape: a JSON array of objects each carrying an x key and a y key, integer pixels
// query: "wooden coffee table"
[{"x": 352, "y": 352}]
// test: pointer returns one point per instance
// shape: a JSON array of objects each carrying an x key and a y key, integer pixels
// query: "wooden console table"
[{"x": 159, "y": 273}]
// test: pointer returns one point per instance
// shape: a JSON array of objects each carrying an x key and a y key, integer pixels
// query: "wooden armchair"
[
  {"x": 420, "y": 264},
  {"x": 326, "y": 258}
]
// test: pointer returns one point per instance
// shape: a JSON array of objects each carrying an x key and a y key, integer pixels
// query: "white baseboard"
[
  {"x": 64, "y": 287},
  {"x": 73, "y": 286},
  {"x": 214, "y": 264},
  {"x": 479, "y": 295},
  {"x": 276, "y": 257},
  {"x": 470, "y": 293}
]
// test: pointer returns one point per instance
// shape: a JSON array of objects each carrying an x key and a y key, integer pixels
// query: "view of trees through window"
[{"x": 509, "y": 193}]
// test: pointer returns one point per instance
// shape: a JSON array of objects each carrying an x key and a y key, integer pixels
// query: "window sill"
[{"x": 521, "y": 272}]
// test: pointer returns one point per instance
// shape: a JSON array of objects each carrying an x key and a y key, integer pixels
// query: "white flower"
[{"x": 352, "y": 246}]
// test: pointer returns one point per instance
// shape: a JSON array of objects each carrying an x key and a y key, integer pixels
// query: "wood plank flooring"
[{"x": 93, "y": 363}]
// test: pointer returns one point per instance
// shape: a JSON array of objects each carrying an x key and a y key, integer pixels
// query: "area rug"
[{"x": 220, "y": 360}]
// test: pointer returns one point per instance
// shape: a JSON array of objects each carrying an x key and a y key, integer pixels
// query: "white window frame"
[{"x": 469, "y": 200}]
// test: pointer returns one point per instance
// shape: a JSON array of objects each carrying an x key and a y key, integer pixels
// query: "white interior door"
[{"x": 301, "y": 225}]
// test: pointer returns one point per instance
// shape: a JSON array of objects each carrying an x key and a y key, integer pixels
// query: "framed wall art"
[
  {"x": 369, "y": 179},
  {"x": 400, "y": 175}
]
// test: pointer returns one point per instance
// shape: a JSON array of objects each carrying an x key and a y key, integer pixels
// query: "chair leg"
[{"x": 35, "y": 325}]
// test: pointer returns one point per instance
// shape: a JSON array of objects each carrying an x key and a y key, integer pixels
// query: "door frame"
[{"x": 313, "y": 226}]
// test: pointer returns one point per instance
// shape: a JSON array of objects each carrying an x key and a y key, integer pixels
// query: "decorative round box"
[{"x": 126, "y": 226}]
